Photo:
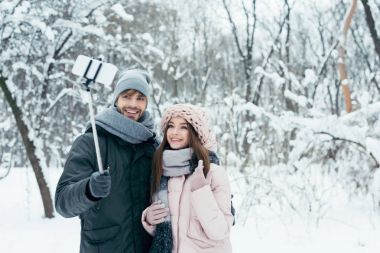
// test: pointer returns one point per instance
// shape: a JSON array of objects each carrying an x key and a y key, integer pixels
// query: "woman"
[{"x": 191, "y": 211}]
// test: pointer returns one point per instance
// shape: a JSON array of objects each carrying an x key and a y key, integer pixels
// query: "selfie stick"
[{"x": 89, "y": 98}]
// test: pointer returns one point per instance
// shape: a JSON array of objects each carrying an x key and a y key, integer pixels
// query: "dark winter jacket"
[{"x": 111, "y": 224}]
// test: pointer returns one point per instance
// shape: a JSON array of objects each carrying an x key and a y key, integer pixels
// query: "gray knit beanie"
[{"x": 135, "y": 79}]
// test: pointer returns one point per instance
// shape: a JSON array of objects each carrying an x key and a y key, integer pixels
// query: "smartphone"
[{"x": 106, "y": 70}]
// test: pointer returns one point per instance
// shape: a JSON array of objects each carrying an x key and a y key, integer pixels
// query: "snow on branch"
[
  {"x": 300, "y": 100},
  {"x": 368, "y": 112},
  {"x": 119, "y": 10},
  {"x": 364, "y": 147},
  {"x": 35, "y": 22},
  {"x": 63, "y": 93},
  {"x": 274, "y": 76},
  {"x": 89, "y": 29}
]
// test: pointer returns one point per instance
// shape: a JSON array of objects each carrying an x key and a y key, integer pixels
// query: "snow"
[
  {"x": 350, "y": 226},
  {"x": 5, "y": 124},
  {"x": 90, "y": 29},
  {"x": 6, "y": 5},
  {"x": 310, "y": 77},
  {"x": 373, "y": 147},
  {"x": 7, "y": 32},
  {"x": 22, "y": 227},
  {"x": 301, "y": 100},
  {"x": 316, "y": 193},
  {"x": 19, "y": 17},
  {"x": 165, "y": 64},
  {"x": 100, "y": 18},
  {"x": 156, "y": 51},
  {"x": 22, "y": 8},
  {"x": 148, "y": 38},
  {"x": 63, "y": 93},
  {"x": 345, "y": 82},
  {"x": 118, "y": 8},
  {"x": 277, "y": 80}
]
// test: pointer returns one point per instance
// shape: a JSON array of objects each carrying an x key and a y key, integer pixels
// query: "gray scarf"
[
  {"x": 175, "y": 163},
  {"x": 128, "y": 130}
]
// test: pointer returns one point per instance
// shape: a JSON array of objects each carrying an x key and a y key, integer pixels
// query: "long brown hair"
[{"x": 200, "y": 152}]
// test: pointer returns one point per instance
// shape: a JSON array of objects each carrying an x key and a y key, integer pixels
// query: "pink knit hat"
[{"x": 197, "y": 117}]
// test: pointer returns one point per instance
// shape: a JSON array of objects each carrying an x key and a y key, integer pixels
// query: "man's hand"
[{"x": 100, "y": 184}]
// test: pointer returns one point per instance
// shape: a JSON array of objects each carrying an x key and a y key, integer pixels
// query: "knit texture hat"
[
  {"x": 135, "y": 79},
  {"x": 195, "y": 116}
]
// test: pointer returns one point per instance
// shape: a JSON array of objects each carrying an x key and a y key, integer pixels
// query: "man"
[{"x": 110, "y": 205}]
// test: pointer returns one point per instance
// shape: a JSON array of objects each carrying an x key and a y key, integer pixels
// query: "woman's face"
[{"x": 178, "y": 133}]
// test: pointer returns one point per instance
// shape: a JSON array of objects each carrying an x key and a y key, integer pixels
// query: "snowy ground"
[{"x": 350, "y": 228}]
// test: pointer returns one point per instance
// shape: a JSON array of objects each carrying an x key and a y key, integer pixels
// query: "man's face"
[{"x": 132, "y": 104}]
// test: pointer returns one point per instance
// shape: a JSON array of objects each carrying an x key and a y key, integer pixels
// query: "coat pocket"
[
  {"x": 101, "y": 235},
  {"x": 197, "y": 235}
]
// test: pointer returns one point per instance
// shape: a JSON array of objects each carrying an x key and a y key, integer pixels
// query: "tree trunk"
[
  {"x": 344, "y": 79},
  {"x": 371, "y": 26},
  {"x": 30, "y": 150},
  {"x": 342, "y": 52}
]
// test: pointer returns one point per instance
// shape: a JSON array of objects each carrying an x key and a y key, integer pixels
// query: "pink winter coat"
[{"x": 201, "y": 220}]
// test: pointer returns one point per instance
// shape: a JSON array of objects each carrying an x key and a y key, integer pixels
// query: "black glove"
[{"x": 100, "y": 184}]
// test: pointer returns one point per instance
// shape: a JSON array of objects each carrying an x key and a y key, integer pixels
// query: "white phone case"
[{"x": 106, "y": 73}]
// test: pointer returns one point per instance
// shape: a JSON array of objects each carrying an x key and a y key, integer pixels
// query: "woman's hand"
[
  {"x": 198, "y": 179},
  {"x": 156, "y": 213}
]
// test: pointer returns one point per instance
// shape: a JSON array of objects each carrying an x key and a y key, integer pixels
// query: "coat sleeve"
[
  {"x": 212, "y": 205},
  {"x": 70, "y": 195}
]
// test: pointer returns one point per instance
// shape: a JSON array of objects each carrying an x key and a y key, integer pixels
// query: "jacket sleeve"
[
  {"x": 70, "y": 195},
  {"x": 212, "y": 205}
]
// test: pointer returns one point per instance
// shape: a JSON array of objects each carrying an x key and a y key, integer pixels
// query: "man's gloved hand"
[
  {"x": 198, "y": 179},
  {"x": 100, "y": 184}
]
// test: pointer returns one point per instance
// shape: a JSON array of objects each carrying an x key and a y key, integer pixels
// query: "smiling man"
[
  {"x": 110, "y": 204},
  {"x": 131, "y": 104}
]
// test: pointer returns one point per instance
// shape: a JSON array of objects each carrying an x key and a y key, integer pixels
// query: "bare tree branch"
[
  {"x": 371, "y": 26},
  {"x": 366, "y": 56},
  {"x": 58, "y": 50},
  {"x": 234, "y": 29},
  {"x": 260, "y": 80},
  {"x": 8, "y": 169},
  {"x": 323, "y": 67},
  {"x": 334, "y": 138}
]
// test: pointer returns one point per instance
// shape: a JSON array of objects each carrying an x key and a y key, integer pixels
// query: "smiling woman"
[
  {"x": 191, "y": 209},
  {"x": 178, "y": 133}
]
